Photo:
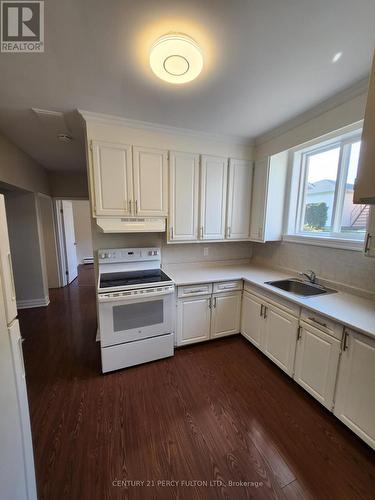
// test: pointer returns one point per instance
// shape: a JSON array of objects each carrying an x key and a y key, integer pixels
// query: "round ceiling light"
[{"x": 176, "y": 58}]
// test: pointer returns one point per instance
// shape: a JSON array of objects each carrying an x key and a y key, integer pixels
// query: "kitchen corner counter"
[{"x": 350, "y": 310}]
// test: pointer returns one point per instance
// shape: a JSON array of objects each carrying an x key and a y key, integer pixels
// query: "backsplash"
[{"x": 348, "y": 270}]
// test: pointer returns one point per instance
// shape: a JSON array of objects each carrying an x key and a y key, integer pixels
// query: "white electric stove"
[{"x": 135, "y": 301}]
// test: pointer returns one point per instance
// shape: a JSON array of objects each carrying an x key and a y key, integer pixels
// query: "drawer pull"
[
  {"x": 198, "y": 290},
  {"x": 344, "y": 343},
  {"x": 261, "y": 310},
  {"x": 311, "y": 318},
  {"x": 227, "y": 287}
]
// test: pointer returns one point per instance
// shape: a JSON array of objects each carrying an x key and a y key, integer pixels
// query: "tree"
[{"x": 316, "y": 215}]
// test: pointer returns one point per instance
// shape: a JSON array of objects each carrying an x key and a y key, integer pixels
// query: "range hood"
[{"x": 131, "y": 225}]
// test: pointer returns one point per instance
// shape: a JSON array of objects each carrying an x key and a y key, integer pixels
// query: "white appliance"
[
  {"x": 135, "y": 303},
  {"x": 17, "y": 475},
  {"x": 131, "y": 224}
]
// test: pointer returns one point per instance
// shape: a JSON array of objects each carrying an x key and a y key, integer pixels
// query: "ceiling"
[{"x": 266, "y": 61}]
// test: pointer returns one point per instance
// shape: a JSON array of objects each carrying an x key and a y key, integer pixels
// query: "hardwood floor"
[{"x": 215, "y": 412}]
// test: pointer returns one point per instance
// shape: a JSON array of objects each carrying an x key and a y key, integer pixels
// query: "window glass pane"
[
  {"x": 320, "y": 191},
  {"x": 354, "y": 217}
]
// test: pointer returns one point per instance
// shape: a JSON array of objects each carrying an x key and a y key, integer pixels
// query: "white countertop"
[{"x": 350, "y": 310}]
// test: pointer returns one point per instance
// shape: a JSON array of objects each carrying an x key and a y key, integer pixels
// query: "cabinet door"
[
  {"x": 193, "y": 320},
  {"x": 150, "y": 168},
  {"x": 259, "y": 200},
  {"x": 280, "y": 337},
  {"x": 252, "y": 322},
  {"x": 214, "y": 173},
  {"x": 183, "y": 196},
  {"x": 19, "y": 372},
  {"x": 239, "y": 199},
  {"x": 6, "y": 270},
  {"x": 226, "y": 314},
  {"x": 355, "y": 392},
  {"x": 112, "y": 179},
  {"x": 317, "y": 360}
]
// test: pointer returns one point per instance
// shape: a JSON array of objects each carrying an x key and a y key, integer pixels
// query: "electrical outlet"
[{"x": 205, "y": 252}]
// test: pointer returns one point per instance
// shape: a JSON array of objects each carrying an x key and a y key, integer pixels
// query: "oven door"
[{"x": 134, "y": 318}]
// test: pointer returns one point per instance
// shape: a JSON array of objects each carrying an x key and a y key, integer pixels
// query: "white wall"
[
  {"x": 82, "y": 229},
  {"x": 49, "y": 239},
  {"x": 26, "y": 243}
]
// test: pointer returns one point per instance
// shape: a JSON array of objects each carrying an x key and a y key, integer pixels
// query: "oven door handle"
[{"x": 132, "y": 298}]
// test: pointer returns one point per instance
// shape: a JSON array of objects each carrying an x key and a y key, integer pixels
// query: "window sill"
[{"x": 325, "y": 241}]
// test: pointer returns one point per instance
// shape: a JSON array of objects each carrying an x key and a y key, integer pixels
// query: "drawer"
[
  {"x": 271, "y": 298},
  {"x": 189, "y": 290},
  {"x": 226, "y": 286},
  {"x": 322, "y": 323}
]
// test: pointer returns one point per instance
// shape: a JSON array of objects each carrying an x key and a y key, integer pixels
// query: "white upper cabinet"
[
  {"x": 239, "y": 199},
  {"x": 364, "y": 188},
  {"x": 183, "y": 196},
  {"x": 112, "y": 179},
  {"x": 214, "y": 173},
  {"x": 268, "y": 197},
  {"x": 355, "y": 391},
  {"x": 150, "y": 167}
]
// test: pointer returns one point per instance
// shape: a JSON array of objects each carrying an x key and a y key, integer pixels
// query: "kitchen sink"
[{"x": 299, "y": 287}]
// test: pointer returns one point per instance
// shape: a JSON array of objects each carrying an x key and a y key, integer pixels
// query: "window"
[{"x": 322, "y": 198}]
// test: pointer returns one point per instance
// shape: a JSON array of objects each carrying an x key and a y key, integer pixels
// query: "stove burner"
[{"x": 109, "y": 280}]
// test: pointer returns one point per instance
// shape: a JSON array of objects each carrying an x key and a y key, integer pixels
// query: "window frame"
[{"x": 298, "y": 190}]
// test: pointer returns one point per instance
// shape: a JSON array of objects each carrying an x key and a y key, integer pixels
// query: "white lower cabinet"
[
  {"x": 355, "y": 392},
  {"x": 226, "y": 310},
  {"x": 280, "y": 337},
  {"x": 317, "y": 359},
  {"x": 252, "y": 321},
  {"x": 193, "y": 319}
]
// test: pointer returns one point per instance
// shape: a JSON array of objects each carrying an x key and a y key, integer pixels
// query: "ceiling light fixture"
[
  {"x": 176, "y": 58},
  {"x": 336, "y": 57}
]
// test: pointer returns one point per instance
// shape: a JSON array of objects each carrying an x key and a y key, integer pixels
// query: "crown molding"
[
  {"x": 359, "y": 88},
  {"x": 90, "y": 116}
]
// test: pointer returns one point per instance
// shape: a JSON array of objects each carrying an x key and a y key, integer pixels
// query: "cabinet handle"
[
  {"x": 130, "y": 206},
  {"x": 367, "y": 244},
  {"x": 344, "y": 343},
  {"x": 11, "y": 277},
  {"x": 299, "y": 332},
  {"x": 215, "y": 300},
  {"x": 311, "y": 318},
  {"x": 136, "y": 206},
  {"x": 20, "y": 342},
  {"x": 265, "y": 312},
  {"x": 197, "y": 290},
  {"x": 201, "y": 232},
  {"x": 171, "y": 233},
  {"x": 210, "y": 303},
  {"x": 261, "y": 310},
  {"x": 228, "y": 231}
]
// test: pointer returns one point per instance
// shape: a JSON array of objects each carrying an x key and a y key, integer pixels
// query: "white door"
[
  {"x": 226, "y": 314},
  {"x": 239, "y": 199},
  {"x": 6, "y": 270},
  {"x": 112, "y": 178},
  {"x": 69, "y": 241},
  {"x": 280, "y": 337},
  {"x": 259, "y": 201},
  {"x": 193, "y": 320},
  {"x": 214, "y": 173},
  {"x": 150, "y": 167},
  {"x": 317, "y": 359},
  {"x": 355, "y": 392},
  {"x": 252, "y": 321},
  {"x": 183, "y": 196},
  {"x": 19, "y": 372}
]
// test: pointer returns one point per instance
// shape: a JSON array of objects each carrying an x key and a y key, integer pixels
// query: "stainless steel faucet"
[{"x": 310, "y": 275}]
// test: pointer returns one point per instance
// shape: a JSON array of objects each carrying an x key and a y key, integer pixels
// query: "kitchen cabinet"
[
  {"x": 316, "y": 365},
  {"x": 364, "y": 187},
  {"x": 183, "y": 196},
  {"x": 252, "y": 321},
  {"x": 193, "y": 319},
  {"x": 355, "y": 393},
  {"x": 213, "y": 192},
  {"x": 280, "y": 337},
  {"x": 240, "y": 180},
  {"x": 202, "y": 315},
  {"x": 226, "y": 314},
  {"x": 150, "y": 171},
  {"x": 268, "y": 197},
  {"x": 112, "y": 179}
]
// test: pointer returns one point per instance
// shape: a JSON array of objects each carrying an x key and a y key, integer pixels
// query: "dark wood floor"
[{"x": 214, "y": 412}]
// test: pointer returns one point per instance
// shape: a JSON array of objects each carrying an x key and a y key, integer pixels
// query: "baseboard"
[{"x": 29, "y": 304}]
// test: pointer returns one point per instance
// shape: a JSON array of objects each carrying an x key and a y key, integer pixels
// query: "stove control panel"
[{"x": 117, "y": 255}]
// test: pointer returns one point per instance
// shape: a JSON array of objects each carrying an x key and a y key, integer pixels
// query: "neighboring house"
[{"x": 354, "y": 216}]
